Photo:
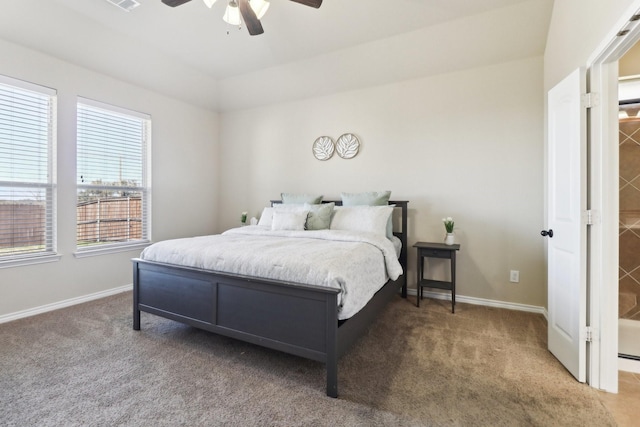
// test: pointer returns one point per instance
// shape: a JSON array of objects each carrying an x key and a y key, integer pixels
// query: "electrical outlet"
[{"x": 514, "y": 276}]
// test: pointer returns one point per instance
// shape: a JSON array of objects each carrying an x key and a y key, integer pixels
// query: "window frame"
[
  {"x": 144, "y": 188},
  {"x": 49, "y": 253}
]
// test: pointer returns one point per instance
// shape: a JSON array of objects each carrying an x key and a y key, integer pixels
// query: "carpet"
[{"x": 482, "y": 366}]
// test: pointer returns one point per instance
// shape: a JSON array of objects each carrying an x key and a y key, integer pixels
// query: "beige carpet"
[{"x": 84, "y": 365}]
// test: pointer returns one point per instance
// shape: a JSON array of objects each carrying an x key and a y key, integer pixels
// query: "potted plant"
[{"x": 448, "y": 225}]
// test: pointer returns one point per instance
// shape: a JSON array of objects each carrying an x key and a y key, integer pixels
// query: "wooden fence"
[
  {"x": 22, "y": 224},
  {"x": 110, "y": 220},
  {"x": 99, "y": 221}
]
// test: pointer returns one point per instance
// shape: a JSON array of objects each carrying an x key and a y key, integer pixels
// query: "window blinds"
[
  {"x": 27, "y": 178},
  {"x": 112, "y": 175}
]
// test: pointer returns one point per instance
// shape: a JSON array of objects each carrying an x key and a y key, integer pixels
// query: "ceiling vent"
[{"x": 126, "y": 5}]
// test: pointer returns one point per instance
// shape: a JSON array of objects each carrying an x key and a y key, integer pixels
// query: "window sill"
[
  {"x": 40, "y": 259},
  {"x": 110, "y": 249}
]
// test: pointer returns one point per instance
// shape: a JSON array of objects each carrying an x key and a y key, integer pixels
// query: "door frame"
[{"x": 603, "y": 198}]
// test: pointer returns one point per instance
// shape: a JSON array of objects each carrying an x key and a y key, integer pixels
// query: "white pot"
[{"x": 449, "y": 239}]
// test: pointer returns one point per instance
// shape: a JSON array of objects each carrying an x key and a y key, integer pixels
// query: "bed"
[{"x": 296, "y": 318}]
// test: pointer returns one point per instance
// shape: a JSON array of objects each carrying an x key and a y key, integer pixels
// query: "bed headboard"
[{"x": 402, "y": 233}]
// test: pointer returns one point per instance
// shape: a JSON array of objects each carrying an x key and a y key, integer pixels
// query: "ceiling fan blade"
[
  {"x": 312, "y": 3},
  {"x": 174, "y": 3},
  {"x": 250, "y": 19}
]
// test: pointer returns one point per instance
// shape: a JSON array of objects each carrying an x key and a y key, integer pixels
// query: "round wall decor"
[
  {"x": 323, "y": 148},
  {"x": 347, "y": 146}
]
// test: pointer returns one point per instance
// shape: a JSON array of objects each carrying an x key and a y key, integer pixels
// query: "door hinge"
[
  {"x": 590, "y": 217},
  {"x": 590, "y": 100},
  {"x": 589, "y": 334}
]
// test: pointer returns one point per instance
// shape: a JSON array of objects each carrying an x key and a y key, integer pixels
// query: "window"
[
  {"x": 27, "y": 173},
  {"x": 112, "y": 177}
]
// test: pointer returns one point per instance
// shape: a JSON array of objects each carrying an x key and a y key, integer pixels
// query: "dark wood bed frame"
[{"x": 291, "y": 317}]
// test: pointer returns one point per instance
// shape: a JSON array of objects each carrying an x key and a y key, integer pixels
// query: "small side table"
[{"x": 436, "y": 250}]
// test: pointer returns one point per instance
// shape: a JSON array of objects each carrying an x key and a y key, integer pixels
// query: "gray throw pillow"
[
  {"x": 299, "y": 199},
  {"x": 370, "y": 198},
  {"x": 319, "y": 217}
]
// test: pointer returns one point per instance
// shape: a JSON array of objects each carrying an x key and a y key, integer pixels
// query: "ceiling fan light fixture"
[
  {"x": 126, "y": 5},
  {"x": 259, "y": 7},
  {"x": 237, "y": 11},
  {"x": 232, "y": 14}
]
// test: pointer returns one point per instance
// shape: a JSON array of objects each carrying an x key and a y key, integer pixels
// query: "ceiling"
[{"x": 190, "y": 53}]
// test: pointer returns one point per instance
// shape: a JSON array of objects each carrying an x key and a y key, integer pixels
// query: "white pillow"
[
  {"x": 267, "y": 213},
  {"x": 293, "y": 220},
  {"x": 266, "y": 217},
  {"x": 373, "y": 219}
]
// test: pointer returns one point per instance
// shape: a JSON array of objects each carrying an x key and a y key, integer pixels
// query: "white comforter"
[{"x": 357, "y": 263}]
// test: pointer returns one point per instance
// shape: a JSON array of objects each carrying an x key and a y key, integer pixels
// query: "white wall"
[
  {"x": 185, "y": 178},
  {"x": 465, "y": 144}
]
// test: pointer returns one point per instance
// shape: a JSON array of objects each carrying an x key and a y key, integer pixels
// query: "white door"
[{"x": 566, "y": 236}]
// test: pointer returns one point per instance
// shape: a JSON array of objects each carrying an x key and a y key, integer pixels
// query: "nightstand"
[{"x": 436, "y": 250}]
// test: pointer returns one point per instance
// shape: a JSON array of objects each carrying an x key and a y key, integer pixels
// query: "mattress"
[{"x": 356, "y": 263}]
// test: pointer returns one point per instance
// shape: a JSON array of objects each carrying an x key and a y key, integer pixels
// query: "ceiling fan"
[{"x": 249, "y": 16}]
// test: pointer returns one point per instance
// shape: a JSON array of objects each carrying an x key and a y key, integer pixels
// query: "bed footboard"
[{"x": 297, "y": 319}]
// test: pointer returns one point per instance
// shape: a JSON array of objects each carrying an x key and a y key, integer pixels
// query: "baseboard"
[
  {"x": 482, "y": 301},
  {"x": 62, "y": 304},
  {"x": 629, "y": 365}
]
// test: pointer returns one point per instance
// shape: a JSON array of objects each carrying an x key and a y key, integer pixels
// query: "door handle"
[{"x": 546, "y": 233}]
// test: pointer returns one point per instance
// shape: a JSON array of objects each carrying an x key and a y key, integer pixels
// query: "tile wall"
[{"x": 629, "y": 297}]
